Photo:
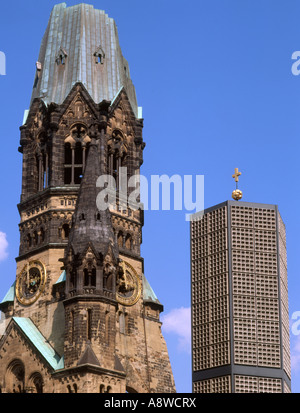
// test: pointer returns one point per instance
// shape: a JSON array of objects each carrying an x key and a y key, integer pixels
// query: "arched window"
[
  {"x": 29, "y": 240},
  {"x": 89, "y": 324},
  {"x": 120, "y": 239},
  {"x": 15, "y": 377},
  {"x": 99, "y": 55},
  {"x": 65, "y": 231},
  {"x": 93, "y": 277},
  {"x": 42, "y": 234},
  {"x": 89, "y": 277},
  {"x": 73, "y": 280},
  {"x": 36, "y": 383},
  {"x": 68, "y": 164},
  {"x": 35, "y": 238},
  {"x": 128, "y": 242},
  {"x": 42, "y": 165},
  {"x": 117, "y": 152},
  {"x": 76, "y": 149}
]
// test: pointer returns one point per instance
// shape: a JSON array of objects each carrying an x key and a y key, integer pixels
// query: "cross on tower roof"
[
  {"x": 236, "y": 174},
  {"x": 237, "y": 194}
]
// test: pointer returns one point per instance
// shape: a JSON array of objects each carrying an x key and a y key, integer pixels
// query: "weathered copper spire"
[{"x": 93, "y": 58}]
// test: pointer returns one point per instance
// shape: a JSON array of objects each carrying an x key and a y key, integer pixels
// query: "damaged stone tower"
[{"x": 81, "y": 316}]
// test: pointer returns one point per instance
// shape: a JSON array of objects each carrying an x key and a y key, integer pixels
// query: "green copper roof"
[
  {"x": 10, "y": 295},
  {"x": 39, "y": 342},
  {"x": 148, "y": 293},
  {"x": 62, "y": 277},
  {"x": 81, "y": 44}
]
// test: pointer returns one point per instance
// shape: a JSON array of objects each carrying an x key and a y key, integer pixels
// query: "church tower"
[
  {"x": 240, "y": 309},
  {"x": 81, "y": 315}
]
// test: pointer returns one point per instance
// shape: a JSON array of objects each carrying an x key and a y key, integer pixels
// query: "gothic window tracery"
[
  {"x": 117, "y": 152},
  {"x": 42, "y": 164},
  {"x": 76, "y": 149}
]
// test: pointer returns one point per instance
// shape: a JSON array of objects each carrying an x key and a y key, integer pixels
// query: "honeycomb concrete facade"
[
  {"x": 81, "y": 316},
  {"x": 240, "y": 319}
]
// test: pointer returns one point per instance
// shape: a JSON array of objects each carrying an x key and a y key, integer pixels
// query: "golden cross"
[{"x": 236, "y": 174}]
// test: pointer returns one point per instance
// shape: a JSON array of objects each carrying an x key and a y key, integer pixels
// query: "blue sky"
[{"x": 215, "y": 82}]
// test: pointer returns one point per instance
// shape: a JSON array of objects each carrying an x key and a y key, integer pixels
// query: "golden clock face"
[
  {"x": 129, "y": 285},
  {"x": 30, "y": 282}
]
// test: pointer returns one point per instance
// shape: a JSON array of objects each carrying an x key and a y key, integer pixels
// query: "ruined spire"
[{"x": 91, "y": 226}]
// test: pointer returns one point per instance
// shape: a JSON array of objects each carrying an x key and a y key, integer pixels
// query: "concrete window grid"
[
  {"x": 218, "y": 285},
  {"x": 200, "y": 269},
  {"x": 200, "y": 313},
  {"x": 244, "y": 306},
  {"x": 268, "y": 355},
  {"x": 284, "y": 295},
  {"x": 246, "y": 384},
  {"x": 211, "y": 333},
  {"x": 266, "y": 286},
  {"x": 242, "y": 238},
  {"x": 267, "y": 308},
  {"x": 283, "y": 272},
  {"x": 242, "y": 216},
  {"x": 285, "y": 338},
  {"x": 252, "y": 384},
  {"x": 268, "y": 331},
  {"x": 219, "y": 354},
  {"x": 265, "y": 219},
  {"x": 217, "y": 241},
  {"x": 282, "y": 251},
  {"x": 265, "y": 241},
  {"x": 243, "y": 283},
  {"x": 211, "y": 344},
  {"x": 245, "y": 352},
  {"x": 211, "y": 356},
  {"x": 218, "y": 263},
  {"x": 219, "y": 308},
  {"x": 287, "y": 362},
  {"x": 219, "y": 331},
  {"x": 243, "y": 261},
  {"x": 201, "y": 336},
  {"x": 266, "y": 263},
  {"x": 215, "y": 385},
  {"x": 201, "y": 358},
  {"x": 245, "y": 329},
  {"x": 210, "y": 288}
]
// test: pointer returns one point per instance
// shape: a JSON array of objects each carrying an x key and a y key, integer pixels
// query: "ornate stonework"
[{"x": 85, "y": 323}]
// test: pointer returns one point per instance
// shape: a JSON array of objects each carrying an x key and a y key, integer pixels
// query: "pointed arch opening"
[
  {"x": 76, "y": 150},
  {"x": 116, "y": 155}
]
